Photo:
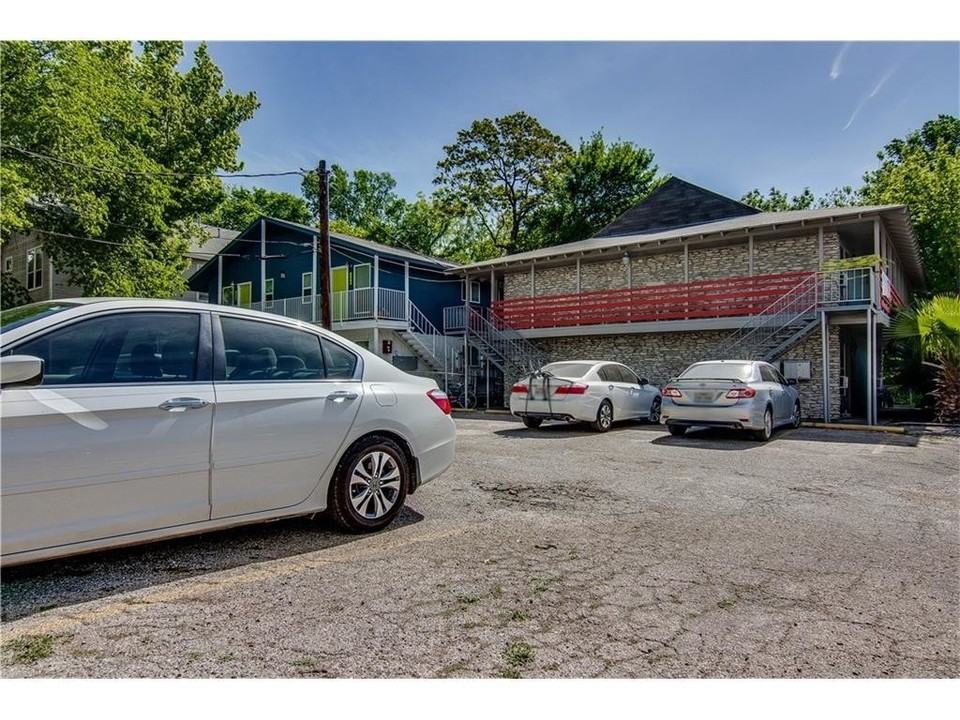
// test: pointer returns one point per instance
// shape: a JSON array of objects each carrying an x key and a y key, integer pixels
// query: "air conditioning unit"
[{"x": 844, "y": 383}]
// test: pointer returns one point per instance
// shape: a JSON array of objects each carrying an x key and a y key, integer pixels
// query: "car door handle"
[
  {"x": 181, "y": 404},
  {"x": 340, "y": 395}
]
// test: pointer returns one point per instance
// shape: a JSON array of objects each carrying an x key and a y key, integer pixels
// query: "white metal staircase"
[{"x": 505, "y": 347}]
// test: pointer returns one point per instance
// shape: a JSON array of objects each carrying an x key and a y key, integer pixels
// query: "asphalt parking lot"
[{"x": 549, "y": 553}]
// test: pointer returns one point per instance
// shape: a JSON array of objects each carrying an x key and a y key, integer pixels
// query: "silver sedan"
[
  {"x": 126, "y": 421},
  {"x": 591, "y": 391},
  {"x": 741, "y": 394}
]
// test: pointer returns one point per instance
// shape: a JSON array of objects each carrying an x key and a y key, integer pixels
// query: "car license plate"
[{"x": 703, "y": 396}]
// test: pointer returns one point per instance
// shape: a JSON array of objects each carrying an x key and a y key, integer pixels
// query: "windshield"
[
  {"x": 15, "y": 317},
  {"x": 719, "y": 371}
]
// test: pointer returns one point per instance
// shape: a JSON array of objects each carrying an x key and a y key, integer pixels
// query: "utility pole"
[{"x": 324, "y": 203}]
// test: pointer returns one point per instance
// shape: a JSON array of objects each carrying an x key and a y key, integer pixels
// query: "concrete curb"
[{"x": 845, "y": 426}]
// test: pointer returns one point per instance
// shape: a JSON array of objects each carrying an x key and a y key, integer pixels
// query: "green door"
[{"x": 339, "y": 279}]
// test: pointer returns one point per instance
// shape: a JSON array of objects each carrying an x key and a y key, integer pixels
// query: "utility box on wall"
[{"x": 796, "y": 369}]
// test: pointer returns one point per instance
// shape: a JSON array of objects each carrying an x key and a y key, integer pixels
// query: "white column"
[
  {"x": 825, "y": 360},
  {"x": 376, "y": 288},
  {"x": 406, "y": 290}
]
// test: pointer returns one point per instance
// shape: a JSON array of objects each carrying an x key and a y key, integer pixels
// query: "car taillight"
[
  {"x": 441, "y": 400},
  {"x": 738, "y": 393},
  {"x": 671, "y": 392},
  {"x": 519, "y": 388},
  {"x": 576, "y": 389}
]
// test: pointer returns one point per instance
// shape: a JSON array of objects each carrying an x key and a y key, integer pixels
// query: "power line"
[{"x": 138, "y": 173}]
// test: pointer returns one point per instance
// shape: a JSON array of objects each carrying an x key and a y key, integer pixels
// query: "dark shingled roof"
[{"x": 675, "y": 204}]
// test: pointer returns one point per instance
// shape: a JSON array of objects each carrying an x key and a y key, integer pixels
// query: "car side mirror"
[
  {"x": 20, "y": 370},
  {"x": 644, "y": 381},
  {"x": 791, "y": 381}
]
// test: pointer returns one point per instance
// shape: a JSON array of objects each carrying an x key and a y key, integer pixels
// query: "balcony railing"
[
  {"x": 730, "y": 297},
  {"x": 347, "y": 306}
]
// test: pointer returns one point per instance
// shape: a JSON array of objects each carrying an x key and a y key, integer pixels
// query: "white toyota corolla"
[{"x": 126, "y": 421}]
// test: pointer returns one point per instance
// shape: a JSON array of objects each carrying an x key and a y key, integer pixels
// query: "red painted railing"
[{"x": 679, "y": 301}]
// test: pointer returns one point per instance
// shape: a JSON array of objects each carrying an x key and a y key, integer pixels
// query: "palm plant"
[{"x": 934, "y": 327}]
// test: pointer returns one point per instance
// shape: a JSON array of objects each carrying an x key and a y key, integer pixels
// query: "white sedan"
[
  {"x": 591, "y": 391},
  {"x": 126, "y": 421}
]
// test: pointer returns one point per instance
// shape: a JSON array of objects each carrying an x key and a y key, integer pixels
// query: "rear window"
[
  {"x": 568, "y": 370},
  {"x": 719, "y": 371},
  {"x": 15, "y": 317}
]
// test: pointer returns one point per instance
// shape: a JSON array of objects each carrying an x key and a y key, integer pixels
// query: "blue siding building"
[{"x": 393, "y": 301}]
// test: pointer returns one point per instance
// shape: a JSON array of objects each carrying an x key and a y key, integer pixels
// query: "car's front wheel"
[
  {"x": 604, "y": 417},
  {"x": 369, "y": 486},
  {"x": 766, "y": 431}
]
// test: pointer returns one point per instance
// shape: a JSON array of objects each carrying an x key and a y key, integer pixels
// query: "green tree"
[
  {"x": 243, "y": 206},
  {"x": 501, "y": 172},
  {"x": 360, "y": 201},
  {"x": 777, "y": 201},
  {"x": 932, "y": 328},
  {"x": 593, "y": 186},
  {"x": 922, "y": 171},
  {"x": 110, "y": 153}
]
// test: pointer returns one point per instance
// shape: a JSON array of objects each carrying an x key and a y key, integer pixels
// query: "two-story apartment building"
[{"x": 688, "y": 275}]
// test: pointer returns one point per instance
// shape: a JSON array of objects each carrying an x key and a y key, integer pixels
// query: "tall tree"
[
  {"x": 110, "y": 154},
  {"x": 360, "y": 201},
  {"x": 593, "y": 186},
  {"x": 243, "y": 206},
  {"x": 501, "y": 172},
  {"x": 922, "y": 171}
]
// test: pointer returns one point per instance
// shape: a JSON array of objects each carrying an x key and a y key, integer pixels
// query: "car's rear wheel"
[
  {"x": 604, "y": 417},
  {"x": 677, "y": 430},
  {"x": 532, "y": 422},
  {"x": 766, "y": 432},
  {"x": 796, "y": 419},
  {"x": 369, "y": 486},
  {"x": 654, "y": 415}
]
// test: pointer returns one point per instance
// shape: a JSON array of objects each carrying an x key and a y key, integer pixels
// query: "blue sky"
[
  {"x": 729, "y": 116},
  {"x": 731, "y": 96}
]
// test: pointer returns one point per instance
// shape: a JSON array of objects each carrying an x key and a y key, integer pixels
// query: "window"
[
  {"x": 307, "y": 287},
  {"x": 120, "y": 348},
  {"x": 8, "y": 264},
  {"x": 226, "y": 297},
  {"x": 768, "y": 374},
  {"x": 361, "y": 276},
  {"x": 34, "y": 269},
  {"x": 474, "y": 290},
  {"x": 268, "y": 292},
  {"x": 258, "y": 351}
]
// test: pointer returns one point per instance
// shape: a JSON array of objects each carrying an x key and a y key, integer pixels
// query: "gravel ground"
[{"x": 550, "y": 553}]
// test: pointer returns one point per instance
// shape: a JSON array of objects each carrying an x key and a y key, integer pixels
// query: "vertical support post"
[
  {"x": 324, "y": 202},
  {"x": 406, "y": 291},
  {"x": 871, "y": 369},
  {"x": 263, "y": 263},
  {"x": 376, "y": 290},
  {"x": 825, "y": 363},
  {"x": 219, "y": 279}
]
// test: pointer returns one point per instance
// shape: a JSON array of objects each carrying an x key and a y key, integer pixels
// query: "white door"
[
  {"x": 122, "y": 425},
  {"x": 283, "y": 410}
]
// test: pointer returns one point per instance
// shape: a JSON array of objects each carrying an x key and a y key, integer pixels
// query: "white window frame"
[
  {"x": 306, "y": 287},
  {"x": 8, "y": 264},
  {"x": 35, "y": 275},
  {"x": 369, "y": 271},
  {"x": 268, "y": 292},
  {"x": 474, "y": 291}
]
